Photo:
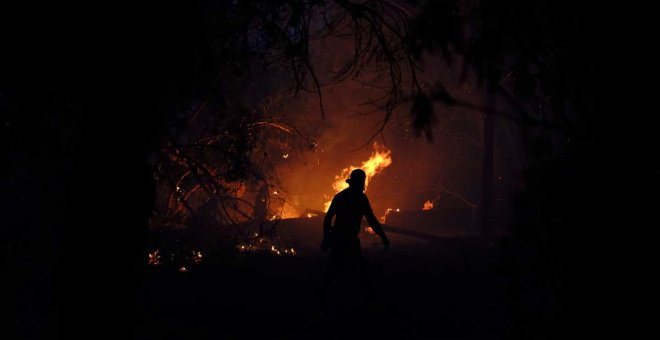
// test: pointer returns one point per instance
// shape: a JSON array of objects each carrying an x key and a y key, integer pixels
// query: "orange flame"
[
  {"x": 380, "y": 159},
  {"x": 428, "y": 205}
]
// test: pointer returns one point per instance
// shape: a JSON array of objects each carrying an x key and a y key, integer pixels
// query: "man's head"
[{"x": 356, "y": 179}]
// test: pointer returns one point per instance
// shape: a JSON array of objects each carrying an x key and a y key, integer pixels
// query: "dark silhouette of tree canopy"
[{"x": 534, "y": 58}]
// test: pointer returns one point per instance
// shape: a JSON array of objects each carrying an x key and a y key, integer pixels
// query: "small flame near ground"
[
  {"x": 428, "y": 205},
  {"x": 380, "y": 159},
  {"x": 388, "y": 211}
]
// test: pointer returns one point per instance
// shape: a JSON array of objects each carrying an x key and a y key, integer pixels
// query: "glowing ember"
[
  {"x": 183, "y": 269},
  {"x": 263, "y": 247},
  {"x": 197, "y": 257},
  {"x": 380, "y": 159},
  {"x": 428, "y": 205},
  {"x": 369, "y": 230},
  {"x": 154, "y": 258}
]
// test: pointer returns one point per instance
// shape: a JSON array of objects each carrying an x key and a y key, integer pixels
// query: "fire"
[
  {"x": 380, "y": 159},
  {"x": 428, "y": 205}
]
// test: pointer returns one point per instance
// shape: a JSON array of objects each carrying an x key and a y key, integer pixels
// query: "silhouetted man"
[
  {"x": 342, "y": 239},
  {"x": 349, "y": 206}
]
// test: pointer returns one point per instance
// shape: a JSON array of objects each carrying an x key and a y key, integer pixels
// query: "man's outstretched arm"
[{"x": 374, "y": 224}]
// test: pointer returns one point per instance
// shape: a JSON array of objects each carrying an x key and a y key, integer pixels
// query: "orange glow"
[
  {"x": 287, "y": 210},
  {"x": 369, "y": 230},
  {"x": 384, "y": 217},
  {"x": 428, "y": 205},
  {"x": 380, "y": 159}
]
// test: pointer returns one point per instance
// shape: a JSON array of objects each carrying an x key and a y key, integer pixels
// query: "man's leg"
[
  {"x": 369, "y": 292},
  {"x": 336, "y": 262}
]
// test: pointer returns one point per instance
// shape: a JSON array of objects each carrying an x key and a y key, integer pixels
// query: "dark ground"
[{"x": 441, "y": 289}]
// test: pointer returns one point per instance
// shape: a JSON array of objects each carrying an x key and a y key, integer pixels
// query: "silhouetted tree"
[{"x": 538, "y": 60}]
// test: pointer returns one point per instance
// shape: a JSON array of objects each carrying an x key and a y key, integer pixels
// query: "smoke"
[
  {"x": 420, "y": 171},
  {"x": 415, "y": 175}
]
